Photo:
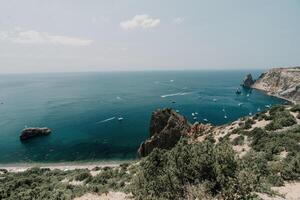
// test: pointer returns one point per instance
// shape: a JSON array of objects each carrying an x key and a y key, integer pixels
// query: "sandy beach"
[{"x": 21, "y": 167}]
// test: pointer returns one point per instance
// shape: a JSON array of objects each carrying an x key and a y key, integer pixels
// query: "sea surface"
[{"x": 82, "y": 109}]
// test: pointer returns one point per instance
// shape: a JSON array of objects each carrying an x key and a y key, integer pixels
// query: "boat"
[
  {"x": 177, "y": 111},
  {"x": 225, "y": 117},
  {"x": 223, "y": 109},
  {"x": 120, "y": 118},
  {"x": 240, "y": 104},
  {"x": 206, "y": 120},
  {"x": 214, "y": 100},
  {"x": 250, "y": 113},
  {"x": 196, "y": 113},
  {"x": 193, "y": 114},
  {"x": 238, "y": 91},
  {"x": 248, "y": 95},
  {"x": 258, "y": 109},
  {"x": 195, "y": 118},
  {"x": 268, "y": 106}
]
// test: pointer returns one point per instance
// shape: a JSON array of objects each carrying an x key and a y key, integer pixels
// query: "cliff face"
[
  {"x": 166, "y": 128},
  {"x": 281, "y": 82}
]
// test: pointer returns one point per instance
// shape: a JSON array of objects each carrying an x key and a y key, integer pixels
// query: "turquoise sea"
[{"x": 82, "y": 109}]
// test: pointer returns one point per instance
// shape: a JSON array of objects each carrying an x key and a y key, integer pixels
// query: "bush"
[
  {"x": 280, "y": 119},
  {"x": 248, "y": 123},
  {"x": 176, "y": 173},
  {"x": 210, "y": 138},
  {"x": 276, "y": 109},
  {"x": 296, "y": 108},
  {"x": 238, "y": 140},
  {"x": 38, "y": 184},
  {"x": 82, "y": 176},
  {"x": 291, "y": 169}
]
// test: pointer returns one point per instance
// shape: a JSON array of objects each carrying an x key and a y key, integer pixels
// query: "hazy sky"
[{"x": 94, "y": 35}]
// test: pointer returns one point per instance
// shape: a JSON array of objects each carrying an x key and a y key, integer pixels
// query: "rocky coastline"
[{"x": 279, "y": 82}]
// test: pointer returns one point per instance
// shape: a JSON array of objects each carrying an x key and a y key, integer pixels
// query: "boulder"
[
  {"x": 28, "y": 133},
  {"x": 166, "y": 128}
]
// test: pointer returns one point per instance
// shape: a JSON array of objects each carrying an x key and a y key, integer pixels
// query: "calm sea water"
[{"x": 82, "y": 110}]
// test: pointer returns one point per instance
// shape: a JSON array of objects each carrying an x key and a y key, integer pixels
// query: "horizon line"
[{"x": 116, "y": 71}]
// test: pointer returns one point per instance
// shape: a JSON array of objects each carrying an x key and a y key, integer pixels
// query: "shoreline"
[
  {"x": 275, "y": 95},
  {"x": 65, "y": 166}
]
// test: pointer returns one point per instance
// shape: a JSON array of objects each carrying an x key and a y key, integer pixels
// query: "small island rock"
[{"x": 28, "y": 133}]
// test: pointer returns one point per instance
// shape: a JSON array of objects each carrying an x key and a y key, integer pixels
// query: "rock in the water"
[
  {"x": 28, "y": 133},
  {"x": 281, "y": 82},
  {"x": 166, "y": 128},
  {"x": 248, "y": 81}
]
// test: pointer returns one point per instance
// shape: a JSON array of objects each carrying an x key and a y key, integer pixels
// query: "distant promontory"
[{"x": 281, "y": 82}]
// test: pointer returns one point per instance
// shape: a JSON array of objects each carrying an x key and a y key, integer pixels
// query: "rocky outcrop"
[
  {"x": 166, "y": 128},
  {"x": 248, "y": 81},
  {"x": 280, "y": 82},
  {"x": 28, "y": 133}
]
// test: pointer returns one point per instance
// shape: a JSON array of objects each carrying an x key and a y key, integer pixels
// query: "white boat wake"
[
  {"x": 175, "y": 94},
  {"x": 106, "y": 120}
]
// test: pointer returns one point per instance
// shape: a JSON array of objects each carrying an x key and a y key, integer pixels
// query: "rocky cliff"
[
  {"x": 166, "y": 128},
  {"x": 281, "y": 82}
]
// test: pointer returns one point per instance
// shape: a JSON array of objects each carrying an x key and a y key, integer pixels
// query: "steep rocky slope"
[
  {"x": 281, "y": 82},
  {"x": 166, "y": 128}
]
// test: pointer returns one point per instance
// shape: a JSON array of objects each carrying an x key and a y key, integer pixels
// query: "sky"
[{"x": 39, "y": 36}]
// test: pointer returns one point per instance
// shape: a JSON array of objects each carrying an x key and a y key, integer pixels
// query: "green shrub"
[
  {"x": 248, "y": 123},
  {"x": 210, "y": 138},
  {"x": 238, "y": 140},
  {"x": 82, "y": 176},
  {"x": 224, "y": 138},
  {"x": 291, "y": 169},
  {"x": 280, "y": 119},
  {"x": 276, "y": 109},
  {"x": 3, "y": 171},
  {"x": 174, "y": 174},
  {"x": 296, "y": 108},
  {"x": 38, "y": 184}
]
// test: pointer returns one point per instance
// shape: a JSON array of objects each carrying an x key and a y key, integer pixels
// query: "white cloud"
[
  {"x": 143, "y": 21},
  {"x": 20, "y": 36},
  {"x": 178, "y": 20}
]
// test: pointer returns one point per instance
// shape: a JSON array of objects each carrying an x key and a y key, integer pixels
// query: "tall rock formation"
[
  {"x": 166, "y": 128},
  {"x": 248, "y": 81}
]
